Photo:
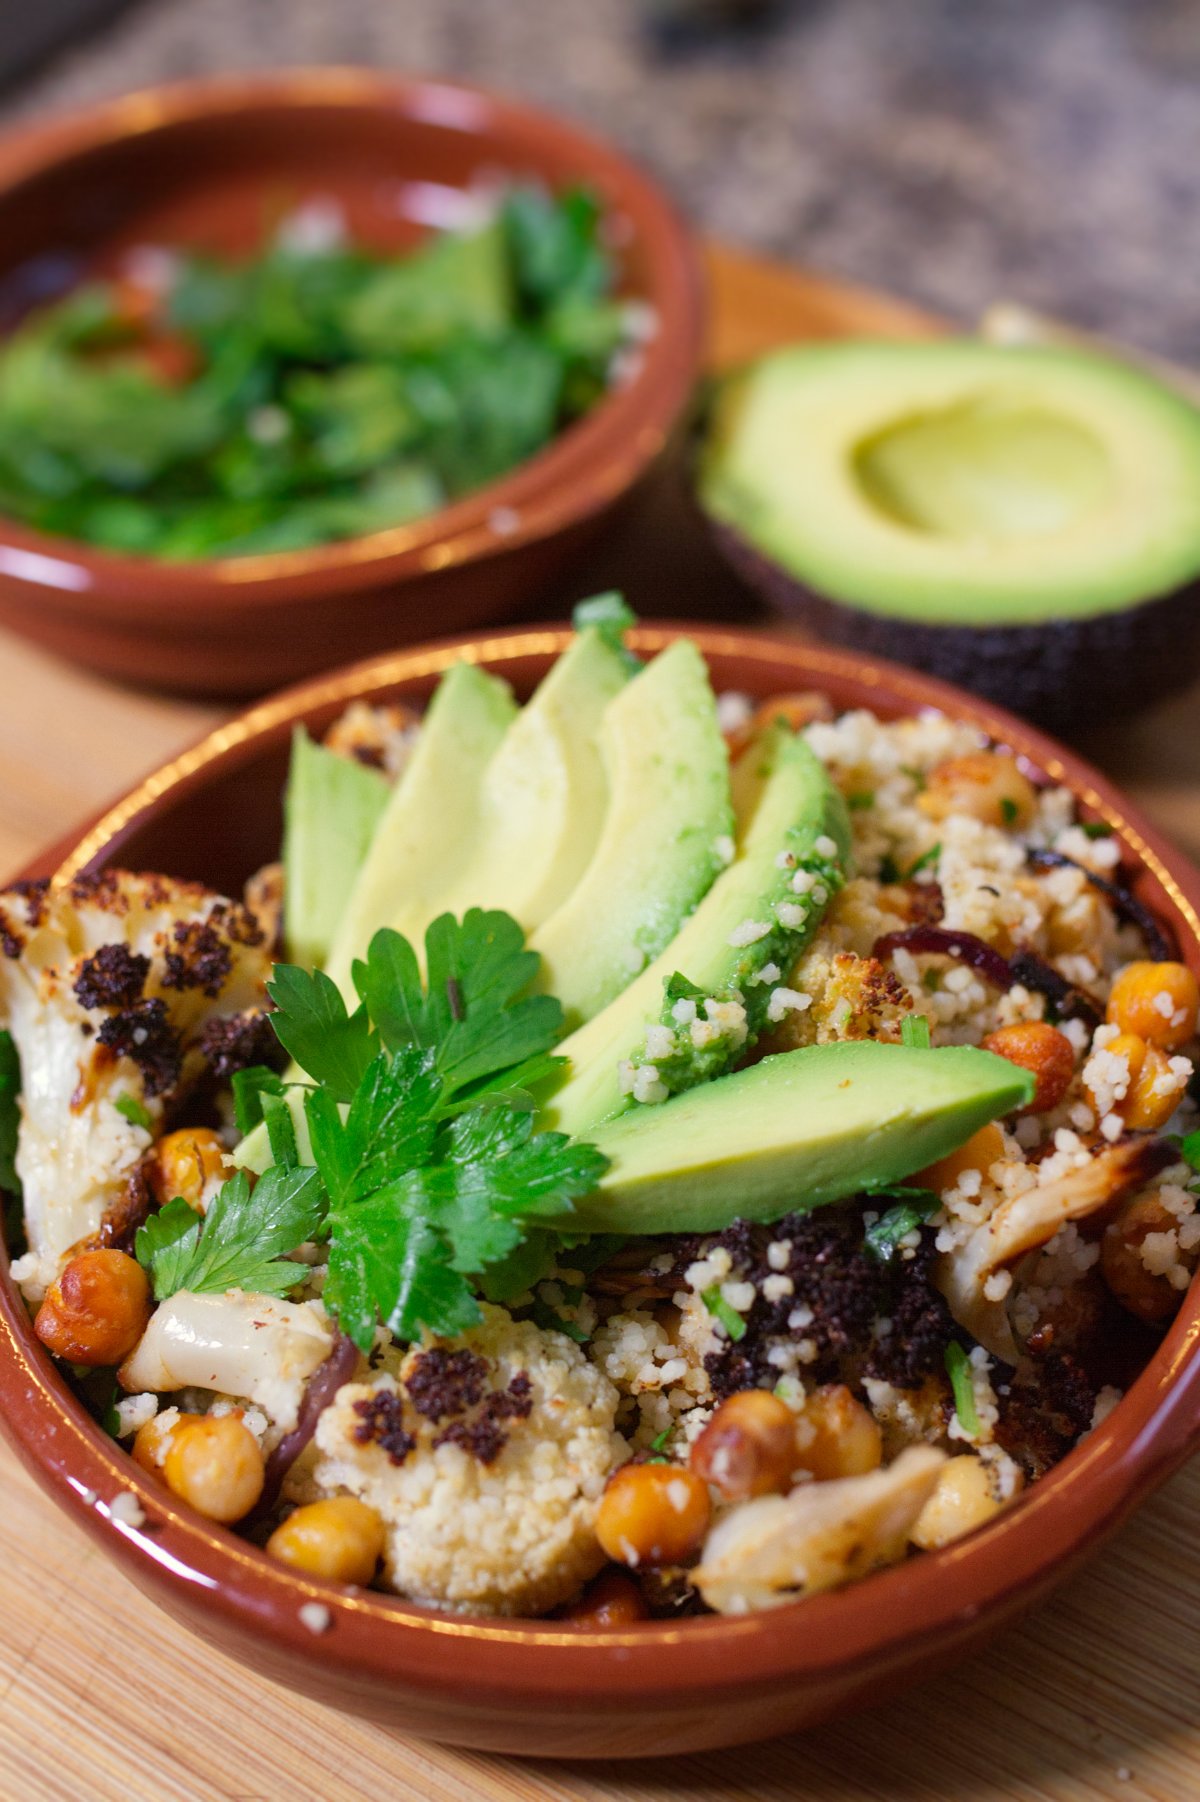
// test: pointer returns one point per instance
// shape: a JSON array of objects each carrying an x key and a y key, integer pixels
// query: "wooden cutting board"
[{"x": 103, "y": 1699}]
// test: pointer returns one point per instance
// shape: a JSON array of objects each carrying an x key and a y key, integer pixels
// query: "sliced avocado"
[
  {"x": 792, "y": 1132},
  {"x": 1007, "y": 517},
  {"x": 331, "y": 808},
  {"x": 432, "y": 818},
  {"x": 705, "y": 998},
  {"x": 669, "y": 815},
  {"x": 542, "y": 800}
]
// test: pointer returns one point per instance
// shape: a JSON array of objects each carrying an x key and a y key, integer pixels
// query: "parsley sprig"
[
  {"x": 242, "y": 1241},
  {"x": 426, "y": 1173}
]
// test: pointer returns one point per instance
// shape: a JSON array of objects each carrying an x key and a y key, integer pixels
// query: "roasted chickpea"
[
  {"x": 338, "y": 1537},
  {"x": 1158, "y": 1002},
  {"x": 214, "y": 1464},
  {"x": 653, "y": 1514},
  {"x": 748, "y": 1447},
  {"x": 152, "y": 1441},
  {"x": 1045, "y": 1052},
  {"x": 612, "y": 1600},
  {"x": 983, "y": 1149},
  {"x": 186, "y": 1163},
  {"x": 1150, "y": 1295},
  {"x": 987, "y": 785},
  {"x": 97, "y": 1310},
  {"x": 963, "y": 1500},
  {"x": 836, "y": 1436},
  {"x": 1154, "y": 1090}
]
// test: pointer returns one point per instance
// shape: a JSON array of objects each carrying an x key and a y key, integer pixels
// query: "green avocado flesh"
[
  {"x": 792, "y": 1132},
  {"x": 432, "y": 816},
  {"x": 331, "y": 809},
  {"x": 669, "y": 809},
  {"x": 789, "y": 816},
  {"x": 959, "y": 483}
]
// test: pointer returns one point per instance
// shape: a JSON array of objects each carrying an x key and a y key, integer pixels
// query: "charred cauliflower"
[
  {"x": 485, "y": 1460},
  {"x": 112, "y": 987}
]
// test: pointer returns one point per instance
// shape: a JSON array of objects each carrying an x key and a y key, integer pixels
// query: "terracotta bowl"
[
  {"x": 545, "y": 1687},
  {"x": 211, "y": 164}
]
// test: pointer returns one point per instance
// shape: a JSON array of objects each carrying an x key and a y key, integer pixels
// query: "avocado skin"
[{"x": 1067, "y": 674}]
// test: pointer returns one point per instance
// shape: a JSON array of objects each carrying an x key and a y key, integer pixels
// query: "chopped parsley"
[
  {"x": 720, "y": 1310},
  {"x": 915, "y": 776},
  {"x": 926, "y": 861},
  {"x": 958, "y": 1369},
  {"x": 1189, "y": 1150},
  {"x": 860, "y": 800},
  {"x": 1009, "y": 811},
  {"x": 133, "y": 1110},
  {"x": 910, "y": 1209},
  {"x": 914, "y": 1032},
  {"x": 1096, "y": 829}
]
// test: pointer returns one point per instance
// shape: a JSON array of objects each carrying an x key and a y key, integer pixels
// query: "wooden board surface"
[{"x": 103, "y": 1699}]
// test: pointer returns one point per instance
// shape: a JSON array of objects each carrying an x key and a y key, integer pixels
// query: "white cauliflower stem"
[
  {"x": 251, "y": 1346},
  {"x": 485, "y": 1460},
  {"x": 107, "y": 984}
]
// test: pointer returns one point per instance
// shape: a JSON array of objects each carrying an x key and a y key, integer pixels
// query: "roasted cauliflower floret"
[
  {"x": 485, "y": 1459},
  {"x": 821, "y": 1536},
  {"x": 111, "y": 987},
  {"x": 254, "y": 1347}
]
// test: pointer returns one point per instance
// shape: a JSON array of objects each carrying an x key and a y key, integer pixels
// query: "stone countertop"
[{"x": 949, "y": 150}]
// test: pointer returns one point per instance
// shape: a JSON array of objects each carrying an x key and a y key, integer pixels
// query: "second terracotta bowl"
[
  {"x": 545, "y": 1687},
  {"x": 209, "y": 164}
]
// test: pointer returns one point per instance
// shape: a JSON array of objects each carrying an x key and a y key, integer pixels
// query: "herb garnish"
[
  {"x": 240, "y": 1243},
  {"x": 910, "y": 1209},
  {"x": 133, "y": 1111},
  {"x": 914, "y": 1032},
  {"x": 721, "y": 1310},
  {"x": 958, "y": 1369}
]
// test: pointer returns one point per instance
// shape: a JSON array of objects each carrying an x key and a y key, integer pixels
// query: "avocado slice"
[
  {"x": 791, "y": 1132},
  {"x": 1022, "y": 520},
  {"x": 432, "y": 817},
  {"x": 669, "y": 815},
  {"x": 705, "y": 998},
  {"x": 331, "y": 808}
]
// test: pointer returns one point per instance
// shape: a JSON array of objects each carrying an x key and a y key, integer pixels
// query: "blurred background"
[{"x": 949, "y": 150}]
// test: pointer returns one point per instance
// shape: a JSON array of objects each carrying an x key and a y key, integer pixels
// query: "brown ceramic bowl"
[
  {"x": 210, "y": 164},
  {"x": 546, "y": 1687}
]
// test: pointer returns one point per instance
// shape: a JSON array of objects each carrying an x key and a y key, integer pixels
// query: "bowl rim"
[
  {"x": 874, "y": 1626},
  {"x": 576, "y": 476}
]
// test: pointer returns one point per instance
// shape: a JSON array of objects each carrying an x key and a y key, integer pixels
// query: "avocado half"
[{"x": 1024, "y": 522}]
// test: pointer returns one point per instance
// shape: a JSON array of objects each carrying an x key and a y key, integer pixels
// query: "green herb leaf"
[
  {"x": 241, "y": 1241},
  {"x": 1189, "y": 1149},
  {"x": 1096, "y": 829},
  {"x": 958, "y": 1369},
  {"x": 612, "y": 616},
  {"x": 281, "y": 1130},
  {"x": 720, "y": 1310},
  {"x": 926, "y": 861},
  {"x": 882, "y": 1240},
  {"x": 861, "y": 800},
  {"x": 475, "y": 1013},
  {"x": 1009, "y": 811},
  {"x": 166, "y": 1244},
  {"x": 133, "y": 1110},
  {"x": 312, "y": 1024},
  {"x": 249, "y": 1086},
  {"x": 10, "y": 1113},
  {"x": 551, "y": 1321},
  {"x": 914, "y": 1032}
]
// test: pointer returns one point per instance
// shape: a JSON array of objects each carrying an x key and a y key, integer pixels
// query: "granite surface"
[{"x": 950, "y": 150}]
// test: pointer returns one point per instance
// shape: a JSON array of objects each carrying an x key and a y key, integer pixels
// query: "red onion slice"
[
  {"x": 1159, "y": 942},
  {"x": 323, "y": 1385},
  {"x": 963, "y": 946}
]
